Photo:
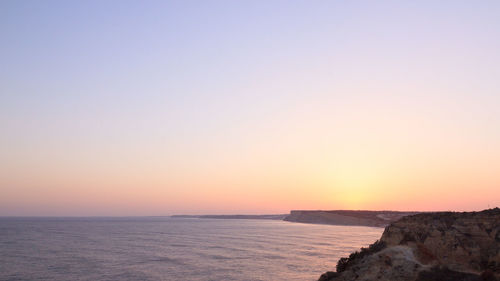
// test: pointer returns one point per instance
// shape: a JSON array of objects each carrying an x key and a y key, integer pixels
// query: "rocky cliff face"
[
  {"x": 430, "y": 246},
  {"x": 346, "y": 217}
]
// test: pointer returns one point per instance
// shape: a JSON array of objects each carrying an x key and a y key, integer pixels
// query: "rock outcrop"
[
  {"x": 347, "y": 217},
  {"x": 429, "y": 246}
]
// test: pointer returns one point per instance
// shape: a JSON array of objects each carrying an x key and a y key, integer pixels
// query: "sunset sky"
[{"x": 221, "y": 107}]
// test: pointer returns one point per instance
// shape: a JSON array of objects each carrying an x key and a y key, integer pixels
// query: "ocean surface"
[{"x": 164, "y": 248}]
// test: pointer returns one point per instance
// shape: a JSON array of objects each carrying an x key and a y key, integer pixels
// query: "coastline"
[
  {"x": 328, "y": 217},
  {"x": 444, "y": 246}
]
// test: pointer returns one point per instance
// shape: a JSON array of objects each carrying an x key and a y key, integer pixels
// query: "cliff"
[
  {"x": 345, "y": 217},
  {"x": 429, "y": 246}
]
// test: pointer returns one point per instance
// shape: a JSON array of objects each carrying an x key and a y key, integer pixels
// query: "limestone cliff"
[
  {"x": 346, "y": 217},
  {"x": 429, "y": 246}
]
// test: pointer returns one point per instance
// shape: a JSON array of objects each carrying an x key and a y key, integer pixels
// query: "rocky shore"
[{"x": 442, "y": 246}]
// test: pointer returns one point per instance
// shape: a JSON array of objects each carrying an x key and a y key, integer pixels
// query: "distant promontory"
[
  {"x": 336, "y": 217},
  {"x": 347, "y": 217},
  {"x": 228, "y": 217}
]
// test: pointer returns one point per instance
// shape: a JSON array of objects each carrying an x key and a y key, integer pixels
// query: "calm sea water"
[{"x": 153, "y": 248}]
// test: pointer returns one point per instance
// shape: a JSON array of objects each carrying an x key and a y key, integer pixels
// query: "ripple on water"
[{"x": 172, "y": 249}]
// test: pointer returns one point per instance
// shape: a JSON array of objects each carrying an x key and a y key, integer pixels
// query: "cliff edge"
[{"x": 429, "y": 246}]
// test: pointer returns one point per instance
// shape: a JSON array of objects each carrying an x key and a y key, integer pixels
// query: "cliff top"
[{"x": 430, "y": 246}]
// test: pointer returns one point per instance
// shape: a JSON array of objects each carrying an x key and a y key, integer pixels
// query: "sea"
[{"x": 166, "y": 248}]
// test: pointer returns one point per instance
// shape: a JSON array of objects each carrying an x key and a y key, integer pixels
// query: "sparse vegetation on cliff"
[
  {"x": 429, "y": 246},
  {"x": 344, "y": 263}
]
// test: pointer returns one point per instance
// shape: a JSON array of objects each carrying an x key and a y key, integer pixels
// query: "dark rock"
[
  {"x": 438, "y": 273},
  {"x": 327, "y": 276}
]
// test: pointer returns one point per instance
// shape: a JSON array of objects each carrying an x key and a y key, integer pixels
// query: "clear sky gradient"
[{"x": 169, "y": 107}]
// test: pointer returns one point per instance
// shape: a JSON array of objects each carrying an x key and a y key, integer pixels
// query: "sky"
[{"x": 223, "y": 107}]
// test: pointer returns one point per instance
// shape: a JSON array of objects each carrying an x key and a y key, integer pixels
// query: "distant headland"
[
  {"x": 333, "y": 217},
  {"x": 228, "y": 217},
  {"x": 347, "y": 217}
]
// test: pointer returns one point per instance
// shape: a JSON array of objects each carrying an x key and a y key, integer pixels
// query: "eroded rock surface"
[{"x": 430, "y": 246}]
